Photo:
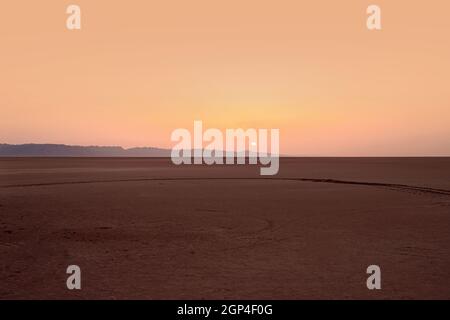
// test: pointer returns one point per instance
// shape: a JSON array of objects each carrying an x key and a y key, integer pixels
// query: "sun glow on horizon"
[{"x": 134, "y": 73}]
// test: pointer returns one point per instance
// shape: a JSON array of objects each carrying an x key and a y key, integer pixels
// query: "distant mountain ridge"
[{"x": 62, "y": 150}]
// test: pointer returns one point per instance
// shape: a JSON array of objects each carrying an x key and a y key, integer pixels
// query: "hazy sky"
[{"x": 139, "y": 69}]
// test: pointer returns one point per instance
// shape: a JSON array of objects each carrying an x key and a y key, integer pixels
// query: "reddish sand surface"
[{"x": 147, "y": 229}]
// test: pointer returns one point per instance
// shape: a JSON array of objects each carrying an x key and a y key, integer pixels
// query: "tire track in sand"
[{"x": 395, "y": 186}]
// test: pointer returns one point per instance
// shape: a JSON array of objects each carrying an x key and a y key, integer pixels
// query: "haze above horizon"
[{"x": 137, "y": 71}]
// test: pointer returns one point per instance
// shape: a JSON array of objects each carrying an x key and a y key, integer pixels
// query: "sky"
[{"x": 137, "y": 70}]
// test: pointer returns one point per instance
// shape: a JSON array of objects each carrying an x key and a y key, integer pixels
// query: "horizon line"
[{"x": 167, "y": 149}]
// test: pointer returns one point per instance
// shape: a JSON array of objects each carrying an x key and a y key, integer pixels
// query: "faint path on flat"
[{"x": 400, "y": 187}]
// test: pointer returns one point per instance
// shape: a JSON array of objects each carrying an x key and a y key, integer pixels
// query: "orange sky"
[{"x": 139, "y": 69}]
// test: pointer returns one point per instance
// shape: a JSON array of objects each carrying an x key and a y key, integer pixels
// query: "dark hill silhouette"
[{"x": 62, "y": 150}]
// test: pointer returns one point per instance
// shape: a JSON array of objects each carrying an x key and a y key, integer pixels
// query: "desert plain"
[{"x": 144, "y": 228}]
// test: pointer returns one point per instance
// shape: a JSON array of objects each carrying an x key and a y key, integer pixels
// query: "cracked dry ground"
[{"x": 144, "y": 228}]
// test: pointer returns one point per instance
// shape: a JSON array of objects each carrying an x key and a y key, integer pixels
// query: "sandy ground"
[{"x": 144, "y": 228}]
